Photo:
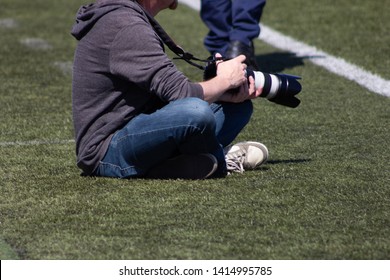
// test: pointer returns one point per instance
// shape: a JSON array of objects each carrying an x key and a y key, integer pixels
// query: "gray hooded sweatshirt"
[{"x": 120, "y": 70}]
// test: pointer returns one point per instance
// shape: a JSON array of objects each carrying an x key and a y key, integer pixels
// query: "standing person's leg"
[
  {"x": 246, "y": 16},
  {"x": 217, "y": 15},
  {"x": 183, "y": 127}
]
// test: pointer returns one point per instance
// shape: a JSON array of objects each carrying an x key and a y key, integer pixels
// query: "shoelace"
[
  {"x": 235, "y": 162},
  {"x": 234, "y": 166}
]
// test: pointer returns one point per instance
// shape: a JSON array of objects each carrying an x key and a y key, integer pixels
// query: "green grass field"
[{"x": 324, "y": 194}]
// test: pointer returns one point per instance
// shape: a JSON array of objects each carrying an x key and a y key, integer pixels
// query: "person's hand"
[
  {"x": 232, "y": 71},
  {"x": 252, "y": 90},
  {"x": 230, "y": 83},
  {"x": 244, "y": 92}
]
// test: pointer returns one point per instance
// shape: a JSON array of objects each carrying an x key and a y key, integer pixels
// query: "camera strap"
[{"x": 176, "y": 49}]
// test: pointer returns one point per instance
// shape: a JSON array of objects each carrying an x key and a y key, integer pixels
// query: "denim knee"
[{"x": 198, "y": 113}]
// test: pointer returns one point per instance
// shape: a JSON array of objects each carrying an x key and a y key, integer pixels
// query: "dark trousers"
[{"x": 227, "y": 20}]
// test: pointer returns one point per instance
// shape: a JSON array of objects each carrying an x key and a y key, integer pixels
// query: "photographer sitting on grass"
[{"x": 136, "y": 115}]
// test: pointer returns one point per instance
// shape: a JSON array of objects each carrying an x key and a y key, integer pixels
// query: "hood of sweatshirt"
[{"x": 88, "y": 15}]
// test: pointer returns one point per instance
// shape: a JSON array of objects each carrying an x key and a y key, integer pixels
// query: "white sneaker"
[{"x": 245, "y": 156}]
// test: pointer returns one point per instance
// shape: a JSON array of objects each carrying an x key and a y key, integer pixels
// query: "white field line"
[
  {"x": 36, "y": 44},
  {"x": 66, "y": 67},
  {"x": 8, "y": 23},
  {"x": 36, "y": 143},
  {"x": 331, "y": 63}
]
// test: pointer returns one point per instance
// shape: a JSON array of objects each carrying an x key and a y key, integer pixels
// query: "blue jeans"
[
  {"x": 185, "y": 126},
  {"x": 228, "y": 20}
]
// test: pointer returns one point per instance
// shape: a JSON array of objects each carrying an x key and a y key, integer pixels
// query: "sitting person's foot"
[
  {"x": 245, "y": 156},
  {"x": 237, "y": 48}
]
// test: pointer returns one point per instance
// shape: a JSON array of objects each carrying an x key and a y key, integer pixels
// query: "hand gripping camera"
[{"x": 278, "y": 88}]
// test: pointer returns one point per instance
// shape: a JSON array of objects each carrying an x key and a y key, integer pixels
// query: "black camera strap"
[{"x": 176, "y": 49}]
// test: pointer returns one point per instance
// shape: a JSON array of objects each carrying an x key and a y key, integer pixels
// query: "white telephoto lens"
[
  {"x": 274, "y": 87},
  {"x": 259, "y": 79}
]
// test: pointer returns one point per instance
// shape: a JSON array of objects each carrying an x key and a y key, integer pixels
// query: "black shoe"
[
  {"x": 237, "y": 48},
  {"x": 191, "y": 167}
]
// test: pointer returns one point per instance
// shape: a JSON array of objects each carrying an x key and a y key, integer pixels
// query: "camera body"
[{"x": 278, "y": 88}]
